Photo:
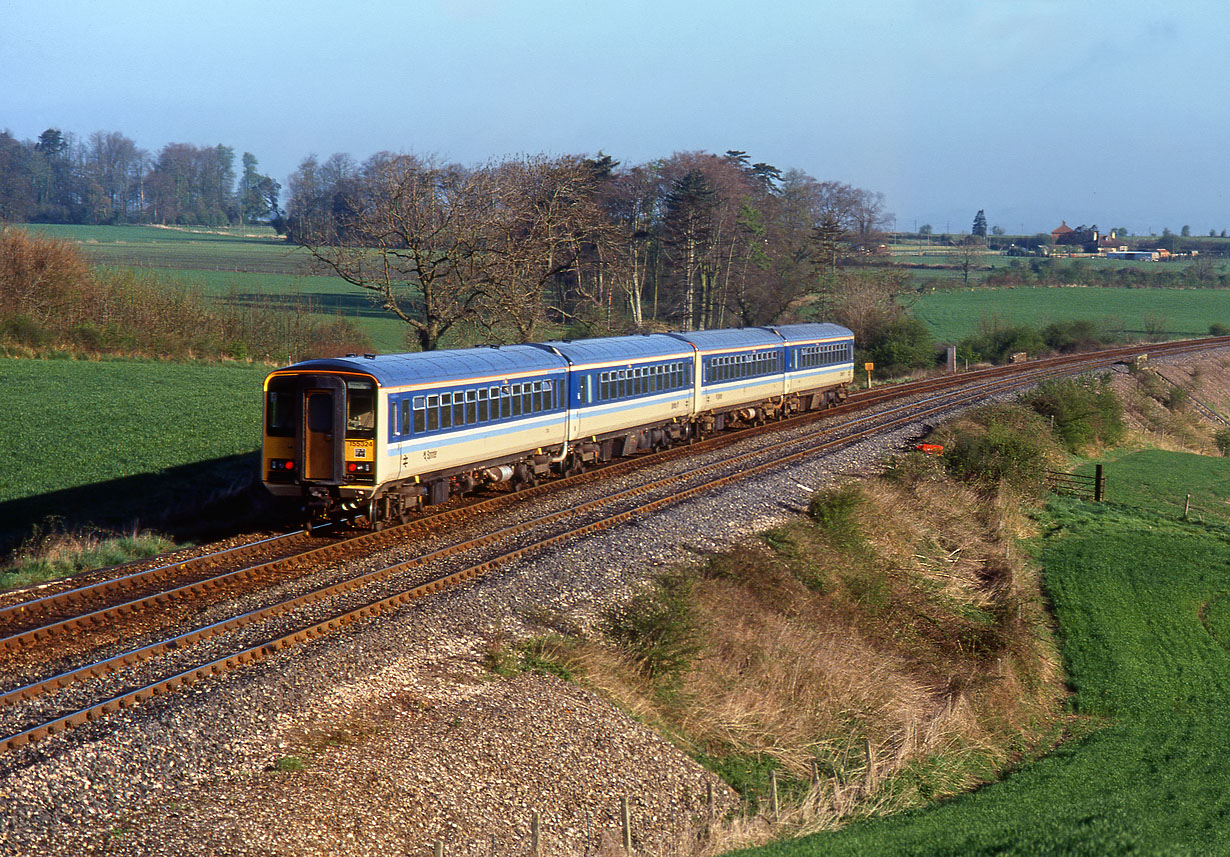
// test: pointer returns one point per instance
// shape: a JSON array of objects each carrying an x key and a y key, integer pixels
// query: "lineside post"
[{"x": 626, "y": 818}]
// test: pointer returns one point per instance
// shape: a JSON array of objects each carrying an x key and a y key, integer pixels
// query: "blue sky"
[{"x": 1034, "y": 110}]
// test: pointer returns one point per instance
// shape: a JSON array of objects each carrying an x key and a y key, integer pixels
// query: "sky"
[{"x": 1036, "y": 111}]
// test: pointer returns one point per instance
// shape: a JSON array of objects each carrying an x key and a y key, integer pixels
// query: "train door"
[
  {"x": 318, "y": 436},
  {"x": 575, "y": 398}
]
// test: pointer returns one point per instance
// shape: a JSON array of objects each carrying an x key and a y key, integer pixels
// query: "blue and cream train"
[{"x": 382, "y": 435}]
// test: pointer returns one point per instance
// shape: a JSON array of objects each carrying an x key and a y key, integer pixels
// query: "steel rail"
[
  {"x": 268, "y": 647},
  {"x": 375, "y": 540}
]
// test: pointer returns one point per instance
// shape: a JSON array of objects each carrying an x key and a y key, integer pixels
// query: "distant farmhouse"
[
  {"x": 1086, "y": 240},
  {"x": 1082, "y": 236}
]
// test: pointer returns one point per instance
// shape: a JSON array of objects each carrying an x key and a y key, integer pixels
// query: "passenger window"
[
  {"x": 527, "y": 398},
  {"x": 482, "y": 406},
  {"x": 471, "y": 407},
  {"x": 420, "y": 414},
  {"x": 433, "y": 413},
  {"x": 405, "y": 417},
  {"x": 446, "y": 410},
  {"x": 537, "y": 396}
]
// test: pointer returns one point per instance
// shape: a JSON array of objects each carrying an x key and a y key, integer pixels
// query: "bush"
[
  {"x": 659, "y": 627},
  {"x": 998, "y": 443},
  {"x": 903, "y": 344},
  {"x": 1219, "y": 329},
  {"x": 996, "y": 341},
  {"x": 835, "y": 511},
  {"x": 1074, "y": 336},
  {"x": 44, "y": 280},
  {"x": 1222, "y": 439},
  {"x": 1083, "y": 411}
]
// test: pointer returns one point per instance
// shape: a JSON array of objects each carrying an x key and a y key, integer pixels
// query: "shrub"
[
  {"x": 997, "y": 341},
  {"x": 1222, "y": 439},
  {"x": 998, "y": 443},
  {"x": 1219, "y": 329},
  {"x": 834, "y": 511},
  {"x": 44, "y": 280},
  {"x": 1084, "y": 411},
  {"x": 659, "y": 627},
  {"x": 50, "y": 297},
  {"x": 1080, "y": 335},
  {"x": 903, "y": 344}
]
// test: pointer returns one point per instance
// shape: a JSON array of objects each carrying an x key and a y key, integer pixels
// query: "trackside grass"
[{"x": 1141, "y": 599}]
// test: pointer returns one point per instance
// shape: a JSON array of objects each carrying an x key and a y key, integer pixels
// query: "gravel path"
[{"x": 392, "y": 734}]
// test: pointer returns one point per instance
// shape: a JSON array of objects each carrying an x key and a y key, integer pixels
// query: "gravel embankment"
[{"x": 403, "y": 734}]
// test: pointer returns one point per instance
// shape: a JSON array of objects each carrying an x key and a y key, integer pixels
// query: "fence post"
[
  {"x": 439, "y": 848},
  {"x": 871, "y": 765},
  {"x": 627, "y": 824},
  {"x": 535, "y": 840},
  {"x": 1098, "y": 483},
  {"x": 773, "y": 804}
]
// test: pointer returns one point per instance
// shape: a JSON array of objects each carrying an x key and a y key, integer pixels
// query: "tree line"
[
  {"x": 107, "y": 178},
  {"x": 521, "y": 246}
]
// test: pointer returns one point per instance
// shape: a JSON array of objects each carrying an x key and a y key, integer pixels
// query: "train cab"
[{"x": 320, "y": 434}]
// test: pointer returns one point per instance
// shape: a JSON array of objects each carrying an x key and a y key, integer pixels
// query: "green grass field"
[
  {"x": 1141, "y": 598},
  {"x": 96, "y": 438},
  {"x": 237, "y": 263},
  {"x": 954, "y": 315}
]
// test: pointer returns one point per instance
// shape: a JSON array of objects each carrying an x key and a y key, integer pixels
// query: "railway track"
[{"x": 409, "y": 580}]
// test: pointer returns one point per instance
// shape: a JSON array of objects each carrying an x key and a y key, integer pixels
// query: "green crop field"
[
  {"x": 235, "y": 264},
  {"x": 79, "y": 433},
  {"x": 1143, "y": 602},
  {"x": 258, "y": 250},
  {"x": 954, "y": 315},
  {"x": 328, "y": 296}
]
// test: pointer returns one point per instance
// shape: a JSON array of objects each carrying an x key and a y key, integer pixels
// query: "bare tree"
[
  {"x": 411, "y": 234},
  {"x": 634, "y": 204},
  {"x": 868, "y": 300},
  {"x": 966, "y": 255},
  {"x": 545, "y": 218}
]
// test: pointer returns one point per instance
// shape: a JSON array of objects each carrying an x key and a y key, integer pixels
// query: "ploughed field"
[{"x": 1142, "y": 597}]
